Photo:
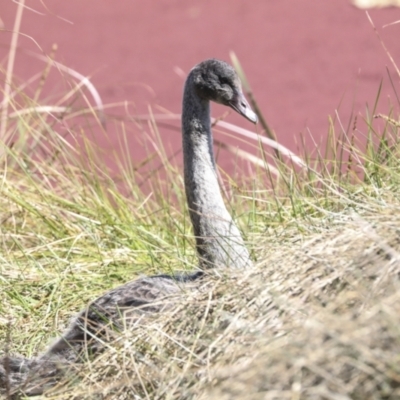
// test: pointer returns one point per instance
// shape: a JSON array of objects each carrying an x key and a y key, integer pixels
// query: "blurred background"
[{"x": 305, "y": 60}]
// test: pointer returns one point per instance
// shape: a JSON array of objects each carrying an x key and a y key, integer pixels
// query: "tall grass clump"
[{"x": 316, "y": 318}]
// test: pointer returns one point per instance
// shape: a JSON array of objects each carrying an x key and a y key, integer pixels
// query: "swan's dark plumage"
[{"x": 218, "y": 241}]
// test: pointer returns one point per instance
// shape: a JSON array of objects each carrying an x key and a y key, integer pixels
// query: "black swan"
[{"x": 218, "y": 240}]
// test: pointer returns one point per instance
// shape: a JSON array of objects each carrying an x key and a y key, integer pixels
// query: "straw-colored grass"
[
  {"x": 317, "y": 316},
  {"x": 317, "y": 319}
]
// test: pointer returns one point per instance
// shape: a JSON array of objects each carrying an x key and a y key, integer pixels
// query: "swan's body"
[{"x": 218, "y": 240}]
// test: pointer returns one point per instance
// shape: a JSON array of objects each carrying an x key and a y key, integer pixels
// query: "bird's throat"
[
  {"x": 218, "y": 240},
  {"x": 201, "y": 181}
]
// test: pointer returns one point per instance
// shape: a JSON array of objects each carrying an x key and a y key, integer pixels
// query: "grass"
[{"x": 316, "y": 318}]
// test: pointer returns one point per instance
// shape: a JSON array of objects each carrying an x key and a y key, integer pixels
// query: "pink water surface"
[{"x": 303, "y": 58}]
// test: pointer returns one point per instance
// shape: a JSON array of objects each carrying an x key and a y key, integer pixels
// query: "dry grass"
[{"x": 316, "y": 319}]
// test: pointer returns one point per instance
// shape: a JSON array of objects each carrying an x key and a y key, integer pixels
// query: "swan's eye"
[{"x": 223, "y": 81}]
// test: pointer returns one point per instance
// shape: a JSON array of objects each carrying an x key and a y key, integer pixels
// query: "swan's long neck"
[{"x": 218, "y": 240}]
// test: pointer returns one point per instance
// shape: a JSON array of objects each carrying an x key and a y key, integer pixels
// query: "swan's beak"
[{"x": 241, "y": 106}]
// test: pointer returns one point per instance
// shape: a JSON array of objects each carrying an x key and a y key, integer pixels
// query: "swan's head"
[{"x": 217, "y": 81}]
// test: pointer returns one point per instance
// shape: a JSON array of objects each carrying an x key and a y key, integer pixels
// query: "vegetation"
[{"x": 317, "y": 317}]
